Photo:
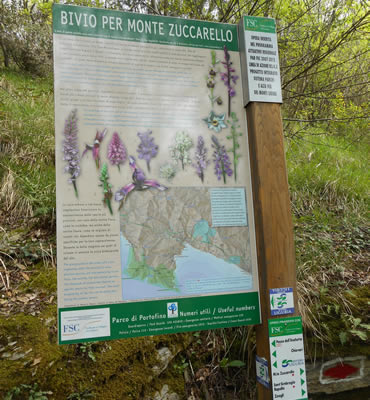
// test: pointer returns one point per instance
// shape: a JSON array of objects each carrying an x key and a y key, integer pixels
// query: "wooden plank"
[{"x": 272, "y": 213}]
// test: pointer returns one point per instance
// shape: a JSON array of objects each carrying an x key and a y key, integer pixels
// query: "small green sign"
[
  {"x": 259, "y": 24},
  {"x": 287, "y": 358},
  {"x": 285, "y": 326}
]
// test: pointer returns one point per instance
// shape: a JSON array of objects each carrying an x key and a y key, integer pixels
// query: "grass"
[
  {"x": 329, "y": 184},
  {"x": 328, "y": 172},
  {"x": 26, "y": 147}
]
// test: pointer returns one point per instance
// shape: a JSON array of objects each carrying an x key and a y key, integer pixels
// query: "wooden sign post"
[
  {"x": 284, "y": 376},
  {"x": 274, "y": 232}
]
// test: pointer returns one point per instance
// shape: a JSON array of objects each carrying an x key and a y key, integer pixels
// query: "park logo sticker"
[
  {"x": 282, "y": 301},
  {"x": 262, "y": 371},
  {"x": 172, "y": 310}
]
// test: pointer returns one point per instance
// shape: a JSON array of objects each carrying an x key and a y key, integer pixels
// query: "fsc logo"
[{"x": 71, "y": 328}]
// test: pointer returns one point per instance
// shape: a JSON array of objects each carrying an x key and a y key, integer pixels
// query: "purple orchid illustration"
[
  {"x": 229, "y": 77},
  {"x": 139, "y": 182},
  {"x": 221, "y": 160},
  {"x": 70, "y": 149},
  {"x": 200, "y": 161},
  {"x": 117, "y": 153},
  {"x": 95, "y": 147},
  {"x": 147, "y": 148}
]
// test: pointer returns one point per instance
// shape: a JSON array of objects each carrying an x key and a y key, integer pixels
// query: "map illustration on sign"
[{"x": 166, "y": 252}]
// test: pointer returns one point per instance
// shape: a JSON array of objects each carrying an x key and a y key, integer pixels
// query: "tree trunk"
[{"x": 5, "y": 54}]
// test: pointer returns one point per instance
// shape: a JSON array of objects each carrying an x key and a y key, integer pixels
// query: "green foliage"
[
  {"x": 87, "y": 350},
  {"x": 84, "y": 395},
  {"x": 181, "y": 365},
  {"x": 25, "y": 37},
  {"x": 323, "y": 63},
  {"x": 329, "y": 189},
  {"x": 343, "y": 337},
  {"x": 356, "y": 327},
  {"x": 225, "y": 363},
  {"x": 22, "y": 391},
  {"x": 121, "y": 369},
  {"x": 27, "y": 173},
  {"x": 44, "y": 280},
  {"x": 328, "y": 171}
]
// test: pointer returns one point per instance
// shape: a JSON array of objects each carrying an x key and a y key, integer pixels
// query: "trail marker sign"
[{"x": 288, "y": 369}]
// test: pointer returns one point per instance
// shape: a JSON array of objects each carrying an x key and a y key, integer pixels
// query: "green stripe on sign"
[
  {"x": 285, "y": 326},
  {"x": 259, "y": 24},
  {"x": 109, "y": 24},
  {"x": 192, "y": 314}
]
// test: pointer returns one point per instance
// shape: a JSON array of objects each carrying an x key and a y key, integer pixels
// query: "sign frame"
[{"x": 225, "y": 309}]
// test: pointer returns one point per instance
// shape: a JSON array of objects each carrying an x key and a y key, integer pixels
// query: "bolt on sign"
[{"x": 155, "y": 223}]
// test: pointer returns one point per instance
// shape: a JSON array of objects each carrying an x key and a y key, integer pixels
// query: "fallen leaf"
[
  {"x": 49, "y": 320},
  {"x": 25, "y": 276},
  {"x": 23, "y": 299},
  {"x": 36, "y": 361},
  {"x": 17, "y": 356}
]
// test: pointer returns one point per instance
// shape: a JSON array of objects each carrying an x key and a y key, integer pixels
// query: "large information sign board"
[{"x": 155, "y": 228}]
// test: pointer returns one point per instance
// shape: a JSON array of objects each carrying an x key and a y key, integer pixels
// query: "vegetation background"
[{"x": 324, "y": 59}]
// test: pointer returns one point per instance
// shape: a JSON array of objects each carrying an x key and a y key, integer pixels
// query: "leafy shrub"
[{"x": 25, "y": 38}]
